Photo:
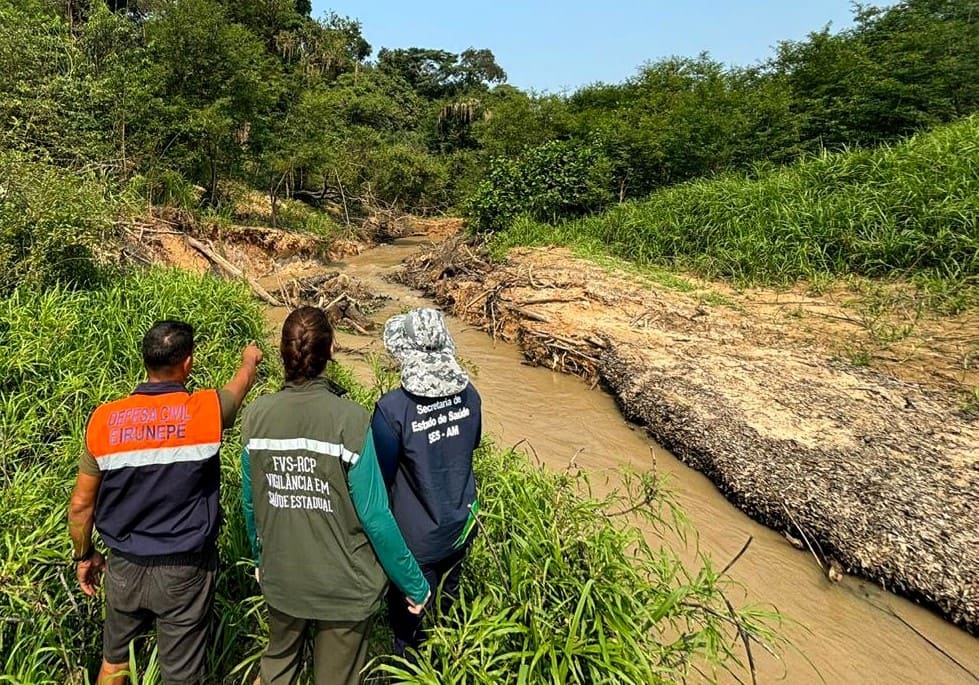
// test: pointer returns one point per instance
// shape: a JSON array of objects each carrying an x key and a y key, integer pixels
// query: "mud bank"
[{"x": 879, "y": 477}]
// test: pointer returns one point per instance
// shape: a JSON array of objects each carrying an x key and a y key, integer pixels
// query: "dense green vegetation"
[
  {"x": 555, "y": 591},
  {"x": 559, "y": 591},
  {"x": 899, "y": 70},
  {"x": 187, "y": 102},
  {"x": 52, "y": 219},
  {"x": 167, "y": 94},
  {"x": 909, "y": 209}
]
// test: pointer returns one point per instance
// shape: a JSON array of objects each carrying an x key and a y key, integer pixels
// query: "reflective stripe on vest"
[
  {"x": 146, "y": 430},
  {"x": 330, "y": 449}
]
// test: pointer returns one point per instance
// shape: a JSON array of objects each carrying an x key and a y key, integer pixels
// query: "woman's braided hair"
[{"x": 307, "y": 343}]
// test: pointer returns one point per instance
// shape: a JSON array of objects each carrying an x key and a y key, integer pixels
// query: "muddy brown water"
[{"x": 843, "y": 632}]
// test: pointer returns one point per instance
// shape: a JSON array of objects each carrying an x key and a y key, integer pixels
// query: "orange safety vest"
[
  {"x": 143, "y": 430},
  {"x": 157, "y": 453}
]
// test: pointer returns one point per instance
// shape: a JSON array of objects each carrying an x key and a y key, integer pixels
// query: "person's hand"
[
  {"x": 258, "y": 576},
  {"x": 416, "y": 609},
  {"x": 89, "y": 573},
  {"x": 252, "y": 354}
]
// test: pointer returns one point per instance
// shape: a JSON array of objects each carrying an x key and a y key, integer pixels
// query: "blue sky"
[{"x": 548, "y": 45}]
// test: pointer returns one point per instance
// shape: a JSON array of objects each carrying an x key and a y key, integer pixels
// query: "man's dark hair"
[{"x": 167, "y": 344}]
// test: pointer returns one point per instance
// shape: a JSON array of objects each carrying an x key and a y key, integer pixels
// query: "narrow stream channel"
[{"x": 841, "y": 632}]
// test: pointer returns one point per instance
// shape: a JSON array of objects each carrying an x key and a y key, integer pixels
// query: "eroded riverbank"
[
  {"x": 847, "y": 632},
  {"x": 878, "y": 475},
  {"x": 851, "y": 632}
]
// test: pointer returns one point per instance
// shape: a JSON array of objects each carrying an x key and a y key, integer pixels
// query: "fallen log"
[
  {"x": 230, "y": 268},
  {"x": 533, "y": 316}
]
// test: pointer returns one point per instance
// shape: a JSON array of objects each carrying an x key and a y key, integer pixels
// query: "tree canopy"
[{"x": 202, "y": 91}]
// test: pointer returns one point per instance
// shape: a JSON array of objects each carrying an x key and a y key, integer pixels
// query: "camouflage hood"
[{"x": 421, "y": 343}]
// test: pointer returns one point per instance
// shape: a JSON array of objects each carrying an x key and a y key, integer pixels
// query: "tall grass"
[
  {"x": 556, "y": 590},
  {"x": 910, "y": 209},
  {"x": 52, "y": 222},
  {"x": 63, "y": 353},
  {"x": 560, "y": 589}
]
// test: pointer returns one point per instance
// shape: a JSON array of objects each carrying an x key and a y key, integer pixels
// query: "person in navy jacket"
[{"x": 425, "y": 433}]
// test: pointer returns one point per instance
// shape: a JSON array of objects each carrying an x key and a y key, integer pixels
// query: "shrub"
[
  {"x": 554, "y": 181},
  {"x": 407, "y": 176},
  {"x": 166, "y": 187},
  {"x": 51, "y": 221}
]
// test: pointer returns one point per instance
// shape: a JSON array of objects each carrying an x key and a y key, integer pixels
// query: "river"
[{"x": 846, "y": 632}]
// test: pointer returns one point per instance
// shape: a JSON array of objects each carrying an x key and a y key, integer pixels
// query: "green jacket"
[{"x": 316, "y": 506}]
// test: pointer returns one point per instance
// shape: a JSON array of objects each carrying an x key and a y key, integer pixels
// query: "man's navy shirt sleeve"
[{"x": 387, "y": 444}]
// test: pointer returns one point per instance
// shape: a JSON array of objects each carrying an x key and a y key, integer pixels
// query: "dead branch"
[
  {"x": 476, "y": 299},
  {"x": 805, "y": 538},
  {"x": 549, "y": 300},
  {"x": 533, "y": 316},
  {"x": 356, "y": 326},
  {"x": 230, "y": 268},
  {"x": 132, "y": 254},
  {"x": 743, "y": 634},
  {"x": 147, "y": 228},
  {"x": 571, "y": 350},
  {"x": 336, "y": 300},
  {"x": 597, "y": 342},
  {"x": 737, "y": 556}
]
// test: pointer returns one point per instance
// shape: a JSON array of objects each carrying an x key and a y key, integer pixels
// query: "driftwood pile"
[
  {"x": 383, "y": 225},
  {"x": 454, "y": 272},
  {"x": 347, "y": 302}
]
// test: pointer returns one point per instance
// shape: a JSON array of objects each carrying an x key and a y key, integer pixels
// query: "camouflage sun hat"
[{"x": 422, "y": 344}]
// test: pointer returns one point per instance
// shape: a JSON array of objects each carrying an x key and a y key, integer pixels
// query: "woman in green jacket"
[{"x": 316, "y": 508}]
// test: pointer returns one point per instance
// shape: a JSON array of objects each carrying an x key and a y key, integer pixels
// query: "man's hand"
[
  {"x": 244, "y": 379},
  {"x": 416, "y": 609},
  {"x": 89, "y": 573},
  {"x": 252, "y": 354}
]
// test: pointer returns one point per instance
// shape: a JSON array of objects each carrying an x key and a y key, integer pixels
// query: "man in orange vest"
[{"x": 148, "y": 480}]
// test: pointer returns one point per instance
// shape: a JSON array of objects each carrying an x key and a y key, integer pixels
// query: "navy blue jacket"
[{"x": 425, "y": 450}]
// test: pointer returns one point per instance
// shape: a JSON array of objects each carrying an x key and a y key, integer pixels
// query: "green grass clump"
[
  {"x": 555, "y": 590},
  {"x": 907, "y": 210},
  {"x": 52, "y": 223}
]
